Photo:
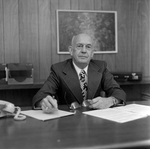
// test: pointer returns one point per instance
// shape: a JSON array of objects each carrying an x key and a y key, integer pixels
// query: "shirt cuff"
[
  {"x": 117, "y": 102},
  {"x": 37, "y": 106}
]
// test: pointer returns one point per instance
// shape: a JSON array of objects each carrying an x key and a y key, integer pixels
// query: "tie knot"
[
  {"x": 83, "y": 71},
  {"x": 82, "y": 75}
]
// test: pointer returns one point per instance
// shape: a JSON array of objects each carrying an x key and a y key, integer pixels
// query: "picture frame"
[{"x": 101, "y": 25}]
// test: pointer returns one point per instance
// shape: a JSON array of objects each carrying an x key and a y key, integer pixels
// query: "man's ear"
[
  {"x": 92, "y": 54},
  {"x": 70, "y": 50}
]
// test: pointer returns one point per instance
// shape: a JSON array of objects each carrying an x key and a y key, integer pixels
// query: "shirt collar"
[{"x": 78, "y": 70}]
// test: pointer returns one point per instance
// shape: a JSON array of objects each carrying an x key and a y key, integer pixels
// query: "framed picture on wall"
[{"x": 101, "y": 25}]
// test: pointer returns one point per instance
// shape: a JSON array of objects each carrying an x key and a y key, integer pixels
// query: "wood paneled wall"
[{"x": 28, "y": 33}]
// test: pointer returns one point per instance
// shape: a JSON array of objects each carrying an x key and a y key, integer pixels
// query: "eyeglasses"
[
  {"x": 75, "y": 105},
  {"x": 81, "y": 46}
]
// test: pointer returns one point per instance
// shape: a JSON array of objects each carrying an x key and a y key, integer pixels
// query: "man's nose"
[{"x": 84, "y": 49}]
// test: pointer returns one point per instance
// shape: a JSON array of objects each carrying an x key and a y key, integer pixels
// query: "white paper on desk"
[
  {"x": 40, "y": 115},
  {"x": 116, "y": 115},
  {"x": 136, "y": 108}
]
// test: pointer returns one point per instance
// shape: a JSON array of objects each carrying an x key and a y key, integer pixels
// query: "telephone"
[{"x": 11, "y": 109}]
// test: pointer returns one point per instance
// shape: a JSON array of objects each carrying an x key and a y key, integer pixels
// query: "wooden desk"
[
  {"x": 22, "y": 94},
  {"x": 77, "y": 131},
  {"x": 20, "y": 86},
  {"x": 39, "y": 85},
  {"x": 19, "y": 94}
]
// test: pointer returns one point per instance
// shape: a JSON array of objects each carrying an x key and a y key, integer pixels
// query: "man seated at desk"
[{"x": 79, "y": 81}]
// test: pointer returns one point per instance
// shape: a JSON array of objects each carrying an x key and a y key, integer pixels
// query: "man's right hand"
[{"x": 49, "y": 104}]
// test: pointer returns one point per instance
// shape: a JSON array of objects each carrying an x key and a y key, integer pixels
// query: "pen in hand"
[{"x": 49, "y": 104}]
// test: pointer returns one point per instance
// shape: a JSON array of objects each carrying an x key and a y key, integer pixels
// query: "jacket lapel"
[
  {"x": 72, "y": 81},
  {"x": 94, "y": 79}
]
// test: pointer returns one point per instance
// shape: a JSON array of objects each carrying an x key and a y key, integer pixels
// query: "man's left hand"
[{"x": 101, "y": 103}]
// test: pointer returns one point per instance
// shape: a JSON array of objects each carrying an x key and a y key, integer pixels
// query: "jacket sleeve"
[
  {"x": 111, "y": 87},
  {"x": 50, "y": 87}
]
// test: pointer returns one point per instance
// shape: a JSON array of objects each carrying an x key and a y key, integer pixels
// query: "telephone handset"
[{"x": 10, "y": 108}]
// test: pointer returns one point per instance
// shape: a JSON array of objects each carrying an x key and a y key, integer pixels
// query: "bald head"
[{"x": 82, "y": 36}]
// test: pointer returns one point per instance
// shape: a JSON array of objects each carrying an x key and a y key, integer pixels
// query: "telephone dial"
[{"x": 11, "y": 109}]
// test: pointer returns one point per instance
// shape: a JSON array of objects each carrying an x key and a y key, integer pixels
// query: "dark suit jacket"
[{"x": 63, "y": 82}]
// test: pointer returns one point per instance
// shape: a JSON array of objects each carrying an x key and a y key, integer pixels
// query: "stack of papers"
[
  {"x": 136, "y": 108},
  {"x": 40, "y": 115},
  {"x": 122, "y": 114}
]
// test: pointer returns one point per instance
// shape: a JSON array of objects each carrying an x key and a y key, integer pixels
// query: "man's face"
[{"x": 82, "y": 50}]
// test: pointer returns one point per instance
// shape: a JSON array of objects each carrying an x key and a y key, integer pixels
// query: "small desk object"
[
  {"x": 78, "y": 131},
  {"x": 123, "y": 77},
  {"x": 18, "y": 73}
]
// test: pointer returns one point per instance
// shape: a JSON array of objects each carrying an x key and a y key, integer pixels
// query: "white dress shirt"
[{"x": 78, "y": 70}]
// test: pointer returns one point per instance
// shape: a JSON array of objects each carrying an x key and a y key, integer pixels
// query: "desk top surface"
[{"x": 76, "y": 131}]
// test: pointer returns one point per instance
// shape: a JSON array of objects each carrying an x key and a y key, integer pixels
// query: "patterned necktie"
[{"x": 83, "y": 83}]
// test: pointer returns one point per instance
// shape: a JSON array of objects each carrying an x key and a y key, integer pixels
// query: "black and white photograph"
[{"x": 74, "y": 74}]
